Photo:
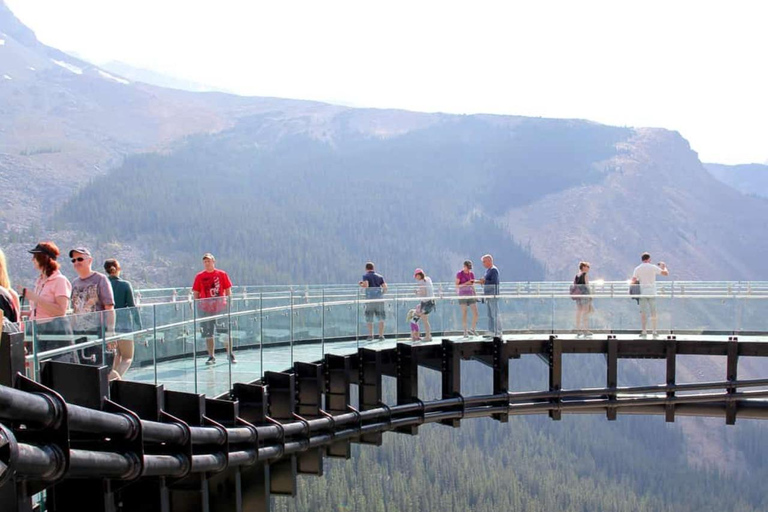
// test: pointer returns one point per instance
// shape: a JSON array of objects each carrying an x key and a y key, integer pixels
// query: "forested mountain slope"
[
  {"x": 303, "y": 209},
  {"x": 581, "y": 463}
]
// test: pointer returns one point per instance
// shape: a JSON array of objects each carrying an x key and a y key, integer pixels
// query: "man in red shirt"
[{"x": 209, "y": 285}]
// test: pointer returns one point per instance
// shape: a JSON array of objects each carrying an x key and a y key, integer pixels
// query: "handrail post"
[
  {"x": 261, "y": 333},
  {"x": 291, "y": 324},
  {"x": 357, "y": 319},
  {"x": 154, "y": 340},
  {"x": 194, "y": 345},
  {"x": 322, "y": 321}
]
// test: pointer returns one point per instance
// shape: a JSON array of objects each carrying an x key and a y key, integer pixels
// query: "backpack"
[{"x": 576, "y": 289}]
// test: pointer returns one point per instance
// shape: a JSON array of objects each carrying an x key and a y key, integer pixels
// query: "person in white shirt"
[
  {"x": 646, "y": 273},
  {"x": 427, "y": 293}
]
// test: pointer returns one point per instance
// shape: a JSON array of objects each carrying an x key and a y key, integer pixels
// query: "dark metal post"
[
  {"x": 369, "y": 364},
  {"x": 671, "y": 370},
  {"x": 450, "y": 368},
  {"x": 612, "y": 378},
  {"x": 555, "y": 372},
  {"x": 500, "y": 374},
  {"x": 337, "y": 397},
  {"x": 732, "y": 370},
  {"x": 407, "y": 373}
]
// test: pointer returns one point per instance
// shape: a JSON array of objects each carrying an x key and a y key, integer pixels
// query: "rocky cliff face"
[{"x": 656, "y": 197}]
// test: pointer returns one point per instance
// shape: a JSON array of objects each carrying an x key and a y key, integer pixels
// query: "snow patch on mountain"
[
  {"x": 66, "y": 65},
  {"x": 117, "y": 79}
]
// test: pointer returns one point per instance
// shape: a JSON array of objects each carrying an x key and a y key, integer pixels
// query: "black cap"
[{"x": 41, "y": 249}]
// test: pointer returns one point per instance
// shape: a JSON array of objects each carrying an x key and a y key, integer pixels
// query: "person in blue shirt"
[
  {"x": 375, "y": 287},
  {"x": 490, "y": 284}
]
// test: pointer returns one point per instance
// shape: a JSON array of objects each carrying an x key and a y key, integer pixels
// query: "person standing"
[
  {"x": 127, "y": 320},
  {"x": 375, "y": 287},
  {"x": 646, "y": 273},
  {"x": 91, "y": 294},
  {"x": 583, "y": 302},
  {"x": 9, "y": 299},
  {"x": 48, "y": 303},
  {"x": 427, "y": 293},
  {"x": 210, "y": 291},
  {"x": 490, "y": 284},
  {"x": 465, "y": 288}
]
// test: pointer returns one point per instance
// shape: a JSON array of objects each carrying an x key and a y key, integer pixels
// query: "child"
[{"x": 413, "y": 317}]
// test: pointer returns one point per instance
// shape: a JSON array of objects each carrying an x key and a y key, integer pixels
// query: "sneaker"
[
  {"x": 381, "y": 338},
  {"x": 643, "y": 334},
  {"x": 587, "y": 334},
  {"x": 579, "y": 334},
  {"x": 369, "y": 338},
  {"x": 473, "y": 332},
  {"x": 232, "y": 359},
  {"x": 211, "y": 360},
  {"x": 655, "y": 334}
]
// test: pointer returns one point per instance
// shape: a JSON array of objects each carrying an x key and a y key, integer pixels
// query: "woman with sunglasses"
[{"x": 48, "y": 303}]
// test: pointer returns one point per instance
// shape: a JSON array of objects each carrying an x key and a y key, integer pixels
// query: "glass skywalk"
[{"x": 271, "y": 327}]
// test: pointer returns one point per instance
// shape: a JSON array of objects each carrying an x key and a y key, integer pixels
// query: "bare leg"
[
  {"x": 474, "y": 316},
  {"x": 381, "y": 329},
  {"x": 643, "y": 320},
  {"x": 427, "y": 331},
  {"x": 370, "y": 329},
  {"x": 209, "y": 345},
  {"x": 124, "y": 354},
  {"x": 464, "y": 318}
]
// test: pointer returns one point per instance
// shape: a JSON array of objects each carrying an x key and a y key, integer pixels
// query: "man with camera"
[{"x": 646, "y": 273}]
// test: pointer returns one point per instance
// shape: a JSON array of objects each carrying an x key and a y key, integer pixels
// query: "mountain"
[
  {"x": 659, "y": 198},
  {"x": 147, "y": 76},
  {"x": 304, "y": 192},
  {"x": 751, "y": 179}
]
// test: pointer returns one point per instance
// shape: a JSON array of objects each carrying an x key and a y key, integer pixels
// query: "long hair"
[
  {"x": 48, "y": 264},
  {"x": 5, "y": 281}
]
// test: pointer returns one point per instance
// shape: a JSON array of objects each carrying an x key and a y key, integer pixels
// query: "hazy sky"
[{"x": 698, "y": 67}]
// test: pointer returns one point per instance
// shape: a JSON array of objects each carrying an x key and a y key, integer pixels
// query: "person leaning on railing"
[
  {"x": 375, "y": 287},
  {"x": 48, "y": 303}
]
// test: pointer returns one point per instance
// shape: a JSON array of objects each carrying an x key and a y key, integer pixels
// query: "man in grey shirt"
[{"x": 91, "y": 293}]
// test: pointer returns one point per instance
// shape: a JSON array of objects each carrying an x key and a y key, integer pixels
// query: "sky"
[{"x": 697, "y": 67}]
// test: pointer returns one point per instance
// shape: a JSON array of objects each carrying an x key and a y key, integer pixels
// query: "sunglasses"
[{"x": 78, "y": 259}]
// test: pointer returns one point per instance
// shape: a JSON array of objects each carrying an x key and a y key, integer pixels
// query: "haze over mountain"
[
  {"x": 749, "y": 179},
  {"x": 295, "y": 191}
]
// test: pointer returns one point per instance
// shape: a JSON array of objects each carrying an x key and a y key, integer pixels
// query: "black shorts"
[
  {"x": 468, "y": 301},
  {"x": 427, "y": 306},
  {"x": 377, "y": 310},
  {"x": 209, "y": 327}
]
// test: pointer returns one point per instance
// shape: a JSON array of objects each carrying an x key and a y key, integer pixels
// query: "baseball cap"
[
  {"x": 81, "y": 250},
  {"x": 418, "y": 271},
  {"x": 208, "y": 256},
  {"x": 41, "y": 249}
]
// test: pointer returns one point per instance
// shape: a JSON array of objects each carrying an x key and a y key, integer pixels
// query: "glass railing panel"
[
  {"x": 245, "y": 335},
  {"x": 276, "y": 328},
  {"x": 753, "y": 315},
  {"x": 308, "y": 318},
  {"x": 340, "y": 327},
  {"x": 171, "y": 343}
]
